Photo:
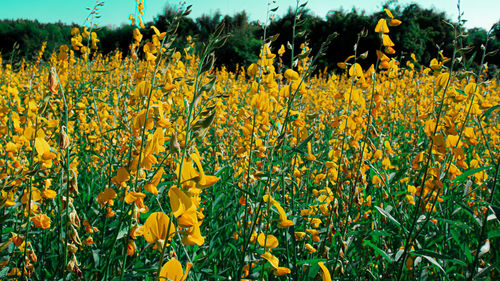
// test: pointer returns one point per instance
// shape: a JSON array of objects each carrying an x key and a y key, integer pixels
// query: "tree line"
[{"x": 424, "y": 32}]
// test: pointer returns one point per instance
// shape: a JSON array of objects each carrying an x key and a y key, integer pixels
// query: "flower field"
[{"x": 155, "y": 165}]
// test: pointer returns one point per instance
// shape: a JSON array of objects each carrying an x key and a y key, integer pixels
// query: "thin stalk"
[
  {"x": 186, "y": 144},
  {"x": 429, "y": 156}
]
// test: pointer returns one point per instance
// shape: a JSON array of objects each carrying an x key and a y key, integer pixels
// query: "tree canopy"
[{"x": 242, "y": 47}]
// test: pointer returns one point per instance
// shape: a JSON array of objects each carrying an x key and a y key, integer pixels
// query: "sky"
[{"x": 478, "y": 13}]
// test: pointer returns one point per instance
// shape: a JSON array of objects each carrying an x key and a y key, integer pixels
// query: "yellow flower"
[
  {"x": 281, "y": 51},
  {"x": 157, "y": 32},
  {"x": 355, "y": 70},
  {"x": 203, "y": 181},
  {"x": 151, "y": 186},
  {"x": 179, "y": 202},
  {"x": 435, "y": 65},
  {"x": 134, "y": 197},
  {"x": 389, "y": 14},
  {"x": 131, "y": 248},
  {"x": 382, "y": 26},
  {"x": 325, "y": 272},
  {"x": 271, "y": 259},
  {"x": 291, "y": 74},
  {"x": 41, "y": 221},
  {"x": 157, "y": 226},
  {"x": 310, "y": 248},
  {"x": 122, "y": 176},
  {"x": 281, "y": 271},
  {"x": 106, "y": 196},
  {"x": 193, "y": 236},
  {"x": 394, "y": 22},
  {"x": 442, "y": 79},
  {"x": 267, "y": 241},
  {"x": 386, "y": 41},
  {"x": 43, "y": 149},
  {"x": 137, "y": 35},
  {"x": 172, "y": 270},
  {"x": 252, "y": 69}
]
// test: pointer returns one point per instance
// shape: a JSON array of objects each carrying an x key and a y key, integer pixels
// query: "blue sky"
[{"x": 479, "y": 13}]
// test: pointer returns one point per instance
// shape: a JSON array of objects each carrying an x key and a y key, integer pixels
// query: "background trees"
[{"x": 241, "y": 48}]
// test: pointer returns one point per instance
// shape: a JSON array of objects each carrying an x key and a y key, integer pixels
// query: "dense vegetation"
[{"x": 154, "y": 164}]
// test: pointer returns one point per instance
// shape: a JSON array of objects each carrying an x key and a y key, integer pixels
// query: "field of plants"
[{"x": 155, "y": 165}]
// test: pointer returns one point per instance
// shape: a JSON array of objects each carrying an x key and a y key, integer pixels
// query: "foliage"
[
  {"x": 424, "y": 34},
  {"x": 155, "y": 164}
]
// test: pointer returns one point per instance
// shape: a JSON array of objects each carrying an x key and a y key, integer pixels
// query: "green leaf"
[
  {"x": 209, "y": 86},
  {"x": 378, "y": 233},
  {"x": 494, "y": 233},
  {"x": 457, "y": 261},
  {"x": 123, "y": 232},
  {"x": 300, "y": 33},
  {"x": 4, "y": 245},
  {"x": 431, "y": 254},
  {"x": 302, "y": 146},
  {"x": 456, "y": 223},
  {"x": 304, "y": 55},
  {"x": 273, "y": 38},
  {"x": 310, "y": 261},
  {"x": 95, "y": 255},
  {"x": 434, "y": 262},
  {"x": 460, "y": 91},
  {"x": 4, "y": 271},
  {"x": 377, "y": 250},
  {"x": 487, "y": 113},
  {"x": 486, "y": 270},
  {"x": 313, "y": 271},
  {"x": 468, "y": 173},
  {"x": 455, "y": 235},
  {"x": 387, "y": 215}
]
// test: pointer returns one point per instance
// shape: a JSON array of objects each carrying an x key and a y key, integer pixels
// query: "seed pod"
[
  {"x": 174, "y": 144},
  {"x": 74, "y": 219},
  {"x": 53, "y": 83},
  {"x": 73, "y": 185},
  {"x": 73, "y": 266},
  {"x": 63, "y": 138},
  {"x": 201, "y": 127},
  {"x": 32, "y": 255},
  {"x": 73, "y": 234}
]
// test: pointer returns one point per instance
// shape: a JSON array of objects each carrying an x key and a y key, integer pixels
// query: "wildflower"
[
  {"x": 252, "y": 70},
  {"x": 151, "y": 186},
  {"x": 157, "y": 227},
  {"x": 442, "y": 79},
  {"x": 193, "y": 236},
  {"x": 280, "y": 271},
  {"x": 122, "y": 176},
  {"x": 310, "y": 248},
  {"x": 281, "y": 51},
  {"x": 106, "y": 196},
  {"x": 356, "y": 70},
  {"x": 271, "y": 259},
  {"x": 382, "y": 26},
  {"x": 179, "y": 202},
  {"x": 41, "y": 221},
  {"x": 172, "y": 270},
  {"x": 290, "y": 74},
  {"x": 267, "y": 241},
  {"x": 325, "y": 273},
  {"x": 131, "y": 248},
  {"x": 386, "y": 41}
]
